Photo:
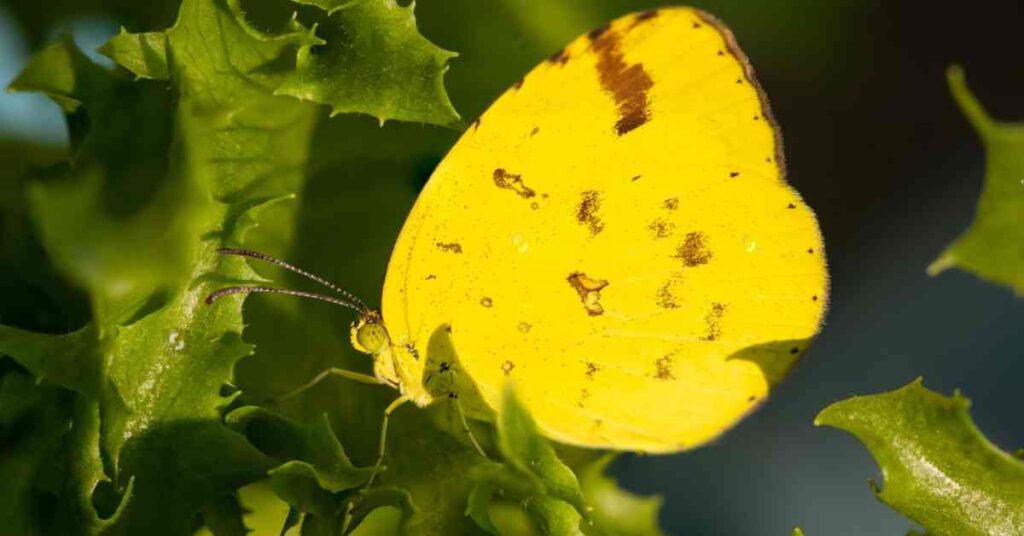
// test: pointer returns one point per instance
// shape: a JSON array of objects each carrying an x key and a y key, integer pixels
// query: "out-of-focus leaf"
[
  {"x": 614, "y": 511},
  {"x": 937, "y": 467},
  {"x": 993, "y": 246},
  {"x": 224, "y": 516},
  {"x": 33, "y": 424},
  {"x": 374, "y": 61}
]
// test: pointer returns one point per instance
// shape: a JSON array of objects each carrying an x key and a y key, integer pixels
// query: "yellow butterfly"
[{"x": 615, "y": 234}]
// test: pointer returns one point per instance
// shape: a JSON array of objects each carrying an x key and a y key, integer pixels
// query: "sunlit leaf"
[{"x": 937, "y": 467}]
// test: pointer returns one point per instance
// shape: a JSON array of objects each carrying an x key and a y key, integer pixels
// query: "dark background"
[{"x": 875, "y": 145}]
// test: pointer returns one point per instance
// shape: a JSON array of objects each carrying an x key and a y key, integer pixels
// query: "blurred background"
[{"x": 874, "y": 143}]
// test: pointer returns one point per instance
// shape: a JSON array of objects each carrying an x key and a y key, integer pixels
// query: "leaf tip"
[{"x": 967, "y": 101}]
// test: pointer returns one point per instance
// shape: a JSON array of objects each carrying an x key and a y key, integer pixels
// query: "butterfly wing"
[{"x": 615, "y": 235}]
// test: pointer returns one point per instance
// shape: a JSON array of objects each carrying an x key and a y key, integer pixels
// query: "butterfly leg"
[
  {"x": 354, "y": 376},
  {"x": 384, "y": 435},
  {"x": 465, "y": 427}
]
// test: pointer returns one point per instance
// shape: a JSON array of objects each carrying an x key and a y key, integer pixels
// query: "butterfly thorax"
[{"x": 369, "y": 336}]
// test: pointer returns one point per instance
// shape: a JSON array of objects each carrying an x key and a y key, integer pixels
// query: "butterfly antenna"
[
  {"x": 362, "y": 308},
  {"x": 216, "y": 295}
]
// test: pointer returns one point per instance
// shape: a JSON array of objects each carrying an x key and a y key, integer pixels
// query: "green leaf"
[
  {"x": 374, "y": 61},
  {"x": 144, "y": 54},
  {"x": 614, "y": 511},
  {"x": 993, "y": 246},
  {"x": 135, "y": 217},
  {"x": 525, "y": 449},
  {"x": 937, "y": 467},
  {"x": 314, "y": 445}
]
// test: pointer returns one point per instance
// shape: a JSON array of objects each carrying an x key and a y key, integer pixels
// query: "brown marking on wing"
[
  {"x": 666, "y": 296},
  {"x": 627, "y": 84},
  {"x": 589, "y": 290},
  {"x": 713, "y": 320},
  {"x": 559, "y": 58},
  {"x": 534, "y": 131},
  {"x": 636, "y": 178},
  {"x": 507, "y": 367},
  {"x": 450, "y": 247},
  {"x": 476, "y": 123},
  {"x": 586, "y": 211},
  {"x": 584, "y": 396},
  {"x": 661, "y": 228},
  {"x": 694, "y": 250},
  {"x": 596, "y": 33},
  {"x": 671, "y": 203},
  {"x": 748, "y": 73},
  {"x": 592, "y": 369},
  {"x": 519, "y": 84},
  {"x": 647, "y": 15},
  {"x": 734, "y": 174},
  {"x": 663, "y": 368},
  {"x": 430, "y": 277},
  {"x": 487, "y": 302},
  {"x": 511, "y": 181},
  {"x": 524, "y": 327}
]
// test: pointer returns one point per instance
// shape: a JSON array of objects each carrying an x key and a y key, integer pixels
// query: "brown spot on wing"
[
  {"x": 524, "y": 327},
  {"x": 592, "y": 369},
  {"x": 671, "y": 203},
  {"x": 507, "y": 367},
  {"x": 586, "y": 211},
  {"x": 713, "y": 320},
  {"x": 596, "y": 33},
  {"x": 647, "y": 15},
  {"x": 627, "y": 84},
  {"x": 666, "y": 296},
  {"x": 511, "y": 181},
  {"x": 519, "y": 83},
  {"x": 559, "y": 58},
  {"x": 589, "y": 290},
  {"x": 487, "y": 302},
  {"x": 534, "y": 131},
  {"x": 450, "y": 247},
  {"x": 584, "y": 396},
  {"x": 661, "y": 228},
  {"x": 694, "y": 250},
  {"x": 663, "y": 368}
]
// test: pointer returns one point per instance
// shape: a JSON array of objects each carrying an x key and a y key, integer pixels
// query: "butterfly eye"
[{"x": 371, "y": 337}]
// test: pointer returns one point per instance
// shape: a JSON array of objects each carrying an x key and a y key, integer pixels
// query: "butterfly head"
[{"x": 369, "y": 335}]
